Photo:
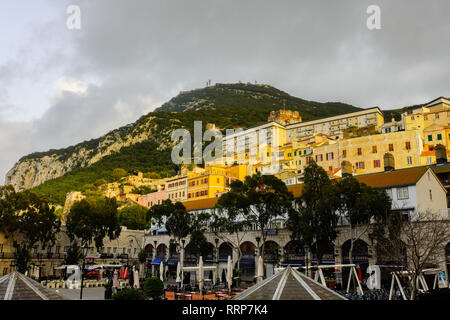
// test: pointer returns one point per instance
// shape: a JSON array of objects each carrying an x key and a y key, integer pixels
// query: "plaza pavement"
[{"x": 88, "y": 293}]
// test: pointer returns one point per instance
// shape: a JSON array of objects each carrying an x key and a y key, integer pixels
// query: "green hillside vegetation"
[{"x": 228, "y": 106}]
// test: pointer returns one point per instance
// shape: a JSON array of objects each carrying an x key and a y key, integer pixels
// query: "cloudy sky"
[{"x": 59, "y": 86}]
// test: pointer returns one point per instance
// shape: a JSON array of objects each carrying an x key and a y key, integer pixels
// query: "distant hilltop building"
[{"x": 285, "y": 117}]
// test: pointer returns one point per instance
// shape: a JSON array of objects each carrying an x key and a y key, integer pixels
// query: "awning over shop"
[
  {"x": 172, "y": 262},
  {"x": 157, "y": 261}
]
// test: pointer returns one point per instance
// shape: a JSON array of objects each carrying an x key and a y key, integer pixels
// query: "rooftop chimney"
[
  {"x": 389, "y": 162},
  {"x": 441, "y": 154},
  {"x": 347, "y": 169}
]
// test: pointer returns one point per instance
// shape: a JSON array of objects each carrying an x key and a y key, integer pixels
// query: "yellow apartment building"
[
  {"x": 213, "y": 181},
  {"x": 335, "y": 126},
  {"x": 436, "y": 112},
  {"x": 366, "y": 153}
]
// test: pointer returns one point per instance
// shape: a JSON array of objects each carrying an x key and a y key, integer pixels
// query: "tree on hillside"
[
  {"x": 134, "y": 217},
  {"x": 118, "y": 173},
  {"x": 28, "y": 220},
  {"x": 91, "y": 221},
  {"x": 362, "y": 207},
  {"x": 417, "y": 241},
  {"x": 313, "y": 220}
]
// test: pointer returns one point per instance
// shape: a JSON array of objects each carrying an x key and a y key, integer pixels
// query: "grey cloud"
[{"x": 137, "y": 54}]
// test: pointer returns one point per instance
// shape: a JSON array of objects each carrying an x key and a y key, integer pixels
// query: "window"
[
  {"x": 218, "y": 180},
  {"x": 402, "y": 193},
  {"x": 360, "y": 165},
  {"x": 376, "y": 163},
  {"x": 439, "y": 136},
  {"x": 391, "y": 147},
  {"x": 436, "y": 116},
  {"x": 58, "y": 249},
  {"x": 374, "y": 149},
  {"x": 429, "y": 160},
  {"x": 430, "y": 137},
  {"x": 295, "y": 153},
  {"x": 409, "y": 160},
  {"x": 344, "y": 153},
  {"x": 408, "y": 145},
  {"x": 189, "y": 195},
  {"x": 359, "y": 151},
  {"x": 431, "y": 196}
]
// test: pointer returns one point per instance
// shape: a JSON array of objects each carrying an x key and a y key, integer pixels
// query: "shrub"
[
  {"x": 154, "y": 288},
  {"x": 129, "y": 294},
  {"x": 142, "y": 256}
]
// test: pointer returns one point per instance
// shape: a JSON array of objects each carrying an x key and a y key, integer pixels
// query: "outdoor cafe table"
[{"x": 179, "y": 296}]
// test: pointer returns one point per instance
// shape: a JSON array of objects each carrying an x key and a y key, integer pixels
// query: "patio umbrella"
[
  {"x": 136, "y": 279},
  {"x": 359, "y": 274},
  {"x": 161, "y": 271},
  {"x": 181, "y": 263},
  {"x": 229, "y": 272},
  {"x": 178, "y": 272},
  {"x": 141, "y": 269},
  {"x": 115, "y": 280},
  {"x": 200, "y": 274},
  {"x": 260, "y": 270},
  {"x": 125, "y": 275}
]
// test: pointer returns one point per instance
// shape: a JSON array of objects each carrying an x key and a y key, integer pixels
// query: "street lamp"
[
  {"x": 84, "y": 251},
  {"x": 306, "y": 258}
]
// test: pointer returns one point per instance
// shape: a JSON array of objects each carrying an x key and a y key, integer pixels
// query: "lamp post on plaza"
[
  {"x": 154, "y": 257},
  {"x": 84, "y": 251},
  {"x": 306, "y": 259},
  {"x": 216, "y": 260},
  {"x": 258, "y": 239}
]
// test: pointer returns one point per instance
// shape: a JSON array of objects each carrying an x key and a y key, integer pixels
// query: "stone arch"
[
  {"x": 161, "y": 251},
  {"x": 360, "y": 252},
  {"x": 327, "y": 255},
  {"x": 209, "y": 250},
  {"x": 391, "y": 254},
  {"x": 149, "y": 250},
  {"x": 294, "y": 252},
  {"x": 173, "y": 249},
  {"x": 225, "y": 250},
  {"x": 248, "y": 247},
  {"x": 271, "y": 251}
]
